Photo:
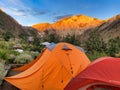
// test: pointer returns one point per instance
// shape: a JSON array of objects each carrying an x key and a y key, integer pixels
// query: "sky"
[{"x": 30, "y": 12}]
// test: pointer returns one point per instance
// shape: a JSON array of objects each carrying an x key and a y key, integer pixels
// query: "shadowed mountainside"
[
  {"x": 108, "y": 30},
  {"x": 9, "y": 26}
]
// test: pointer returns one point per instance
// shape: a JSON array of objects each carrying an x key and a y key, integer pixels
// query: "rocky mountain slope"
[
  {"x": 82, "y": 25},
  {"x": 108, "y": 30},
  {"x": 9, "y": 26}
]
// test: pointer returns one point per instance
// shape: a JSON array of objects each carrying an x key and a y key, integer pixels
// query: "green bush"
[
  {"x": 6, "y": 45},
  {"x": 34, "y": 54},
  {"x": 11, "y": 58},
  {"x": 23, "y": 58},
  {"x": 7, "y": 37},
  {"x": 113, "y": 46},
  {"x": 95, "y": 43},
  {"x": 7, "y": 55},
  {"x": 3, "y": 45},
  {"x": 71, "y": 39},
  {"x": 96, "y": 55},
  {"x": 14, "y": 52},
  {"x": 4, "y": 54},
  {"x": 2, "y": 69},
  {"x": 117, "y": 54}
]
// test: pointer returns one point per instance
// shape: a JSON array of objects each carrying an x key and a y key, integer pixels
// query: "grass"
[
  {"x": 8, "y": 55},
  {"x": 96, "y": 55}
]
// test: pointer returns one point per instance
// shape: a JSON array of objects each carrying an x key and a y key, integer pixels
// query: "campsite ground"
[{"x": 7, "y": 86}]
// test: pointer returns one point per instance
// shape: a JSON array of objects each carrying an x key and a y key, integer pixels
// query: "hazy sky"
[{"x": 29, "y": 12}]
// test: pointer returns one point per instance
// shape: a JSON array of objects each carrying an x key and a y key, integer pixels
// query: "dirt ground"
[{"x": 7, "y": 86}]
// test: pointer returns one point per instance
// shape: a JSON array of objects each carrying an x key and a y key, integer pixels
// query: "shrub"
[
  {"x": 2, "y": 69},
  {"x": 11, "y": 58},
  {"x": 7, "y": 37},
  {"x": 23, "y": 58},
  {"x": 3, "y": 54},
  {"x": 72, "y": 39},
  {"x": 8, "y": 55},
  {"x": 14, "y": 52},
  {"x": 117, "y": 54},
  {"x": 113, "y": 46},
  {"x": 95, "y": 43},
  {"x": 6, "y": 45},
  {"x": 34, "y": 54},
  {"x": 96, "y": 55}
]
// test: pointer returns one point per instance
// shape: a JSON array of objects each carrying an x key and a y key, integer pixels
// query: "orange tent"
[
  {"x": 26, "y": 66},
  {"x": 53, "y": 70}
]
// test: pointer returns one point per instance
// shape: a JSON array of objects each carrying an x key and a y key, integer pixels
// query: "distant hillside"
[
  {"x": 78, "y": 22},
  {"x": 9, "y": 26},
  {"x": 107, "y": 30},
  {"x": 42, "y": 26},
  {"x": 82, "y": 25}
]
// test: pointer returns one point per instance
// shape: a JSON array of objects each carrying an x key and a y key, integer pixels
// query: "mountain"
[
  {"x": 10, "y": 27},
  {"x": 42, "y": 26},
  {"x": 108, "y": 30},
  {"x": 82, "y": 26},
  {"x": 111, "y": 28},
  {"x": 78, "y": 22}
]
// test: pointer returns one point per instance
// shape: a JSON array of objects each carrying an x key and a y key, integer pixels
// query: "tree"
[
  {"x": 7, "y": 38},
  {"x": 95, "y": 43},
  {"x": 52, "y": 37},
  {"x": 71, "y": 39},
  {"x": 37, "y": 45},
  {"x": 113, "y": 46}
]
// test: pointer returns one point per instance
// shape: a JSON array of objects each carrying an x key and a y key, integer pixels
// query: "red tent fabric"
[{"x": 103, "y": 72}]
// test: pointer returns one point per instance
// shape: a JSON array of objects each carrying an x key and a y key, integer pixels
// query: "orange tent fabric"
[
  {"x": 26, "y": 66},
  {"x": 53, "y": 70}
]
